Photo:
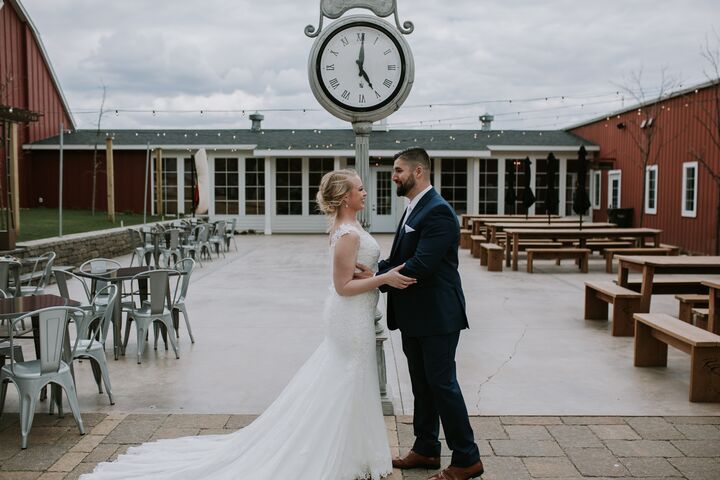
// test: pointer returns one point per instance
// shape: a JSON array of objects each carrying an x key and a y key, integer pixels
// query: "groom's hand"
[{"x": 362, "y": 272}]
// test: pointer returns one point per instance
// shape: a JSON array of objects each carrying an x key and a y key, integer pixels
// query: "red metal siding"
[
  {"x": 679, "y": 132},
  {"x": 31, "y": 88},
  {"x": 77, "y": 180}
]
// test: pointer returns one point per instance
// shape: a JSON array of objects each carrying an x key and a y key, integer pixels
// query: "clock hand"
[
  {"x": 361, "y": 57},
  {"x": 365, "y": 76}
]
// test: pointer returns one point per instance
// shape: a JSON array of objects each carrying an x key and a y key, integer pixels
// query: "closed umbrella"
[
  {"x": 528, "y": 197},
  {"x": 551, "y": 195},
  {"x": 581, "y": 201},
  {"x": 510, "y": 196}
]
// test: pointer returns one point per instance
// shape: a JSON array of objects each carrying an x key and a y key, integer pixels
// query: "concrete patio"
[{"x": 554, "y": 396}]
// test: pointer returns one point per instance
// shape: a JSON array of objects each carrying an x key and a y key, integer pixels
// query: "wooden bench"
[
  {"x": 674, "y": 249},
  {"x": 476, "y": 240},
  {"x": 700, "y": 317},
  {"x": 689, "y": 301},
  {"x": 598, "y": 295},
  {"x": 672, "y": 285},
  {"x": 491, "y": 255},
  {"x": 600, "y": 245},
  {"x": 581, "y": 254},
  {"x": 610, "y": 252},
  {"x": 655, "y": 331},
  {"x": 465, "y": 241}
]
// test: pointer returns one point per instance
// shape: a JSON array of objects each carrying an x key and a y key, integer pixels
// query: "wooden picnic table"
[
  {"x": 713, "y": 305},
  {"x": 465, "y": 219},
  {"x": 476, "y": 224},
  {"x": 660, "y": 264},
  {"x": 495, "y": 227},
  {"x": 512, "y": 247}
]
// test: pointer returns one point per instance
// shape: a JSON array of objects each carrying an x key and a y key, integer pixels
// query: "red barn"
[
  {"x": 27, "y": 81},
  {"x": 671, "y": 146}
]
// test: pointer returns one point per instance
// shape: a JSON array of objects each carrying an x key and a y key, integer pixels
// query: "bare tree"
[
  {"x": 709, "y": 119},
  {"x": 644, "y": 127},
  {"x": 96, "y": 161}
]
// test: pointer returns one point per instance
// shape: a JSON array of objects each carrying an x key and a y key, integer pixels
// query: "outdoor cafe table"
[
  {"x": 714, "y": 305},
  {"x": 512, "y": 248},
  {"x": 495, "y": 227},
  {"x": 117, "y": 277},
  {"x": 659, "y": 264}
]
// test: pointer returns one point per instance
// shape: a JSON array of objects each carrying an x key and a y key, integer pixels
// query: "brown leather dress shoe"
[
  {"x": 460, "y": 473},
  {"x": 415, "y": 460}
]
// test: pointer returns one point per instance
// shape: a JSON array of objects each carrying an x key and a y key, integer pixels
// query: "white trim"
[
  {"x": 595, "y": 189},
  {"x": 686, "y": 167},
  {"x": 501, "y": 184},
  {"x": 269, "y": 193},
  {"x": 540, "y": 148},
  {"x": 473, "y": 179},
  {"x": 241, "y": 185},
  {"x": 619, "y": 175},
  {"x": 305, "y": 165},
  {"x": 437, "y": 174},
  {"x": 651, "y": 210}
]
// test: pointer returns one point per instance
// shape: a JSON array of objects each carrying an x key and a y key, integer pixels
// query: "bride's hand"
[
  {"x": 395, "y": 279},
  {"x": 365, "y": 272}
]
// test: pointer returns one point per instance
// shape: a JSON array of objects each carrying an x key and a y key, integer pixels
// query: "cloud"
[{"x": 249, "y": 54}]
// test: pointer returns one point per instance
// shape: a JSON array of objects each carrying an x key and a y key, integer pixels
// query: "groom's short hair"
[{"x": 415, "y": 156}]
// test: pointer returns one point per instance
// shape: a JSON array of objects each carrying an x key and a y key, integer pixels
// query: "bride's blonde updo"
[{"x": 334, "y": 187}]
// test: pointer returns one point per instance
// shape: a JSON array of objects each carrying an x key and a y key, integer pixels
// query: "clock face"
[{"x": 361, "y": 67}]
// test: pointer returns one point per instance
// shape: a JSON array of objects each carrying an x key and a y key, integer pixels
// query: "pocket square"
[{"x": 409, "y": 229}]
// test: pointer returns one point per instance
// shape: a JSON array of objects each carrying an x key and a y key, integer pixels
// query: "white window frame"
[
  {"x": 596, "y": 189},
  {"x": 648, "y": 209},
  {"x": 686, "y": 166},
  {"x": 612, "y": 173}
]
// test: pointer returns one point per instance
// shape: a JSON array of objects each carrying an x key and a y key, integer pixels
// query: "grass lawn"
[{"x": 39, "y": 223}]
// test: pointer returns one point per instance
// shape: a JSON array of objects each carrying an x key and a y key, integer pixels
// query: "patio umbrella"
[
  {"x": 528, "y": 197},
  {"x": 510, "y": 196},
  {"x": 551, "y": 195},
  {"x": 581, "y": 202}
]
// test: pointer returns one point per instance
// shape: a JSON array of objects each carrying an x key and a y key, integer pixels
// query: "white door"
[
  {"x": 382, "y": 200},
  {"x": 614, "y": 189}
]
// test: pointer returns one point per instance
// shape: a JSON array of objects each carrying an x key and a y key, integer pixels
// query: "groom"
[{"x": 430, "y": 316}]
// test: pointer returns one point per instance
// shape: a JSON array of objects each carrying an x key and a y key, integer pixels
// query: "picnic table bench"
[
  {"x": 655, "y": 331},
  {"x": 687, "y": 302},
  {"x": 580, "y": 254},
  {"x": 491, "y": 255}
]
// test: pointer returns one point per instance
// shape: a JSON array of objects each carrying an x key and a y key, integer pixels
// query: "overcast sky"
[{"x": 252, "y": 55}]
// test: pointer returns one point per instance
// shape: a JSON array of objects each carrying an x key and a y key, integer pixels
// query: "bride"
[{"x": 327, "y": 424}]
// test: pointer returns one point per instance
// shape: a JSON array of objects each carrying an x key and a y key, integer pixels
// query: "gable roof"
[{"x": 25, "y": 18}]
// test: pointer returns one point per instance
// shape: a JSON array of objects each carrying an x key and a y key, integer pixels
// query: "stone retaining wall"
[{"x": 77, "y": 248}]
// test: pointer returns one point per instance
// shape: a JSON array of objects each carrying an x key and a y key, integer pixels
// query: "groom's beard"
[{"x": 405, "y": 187}]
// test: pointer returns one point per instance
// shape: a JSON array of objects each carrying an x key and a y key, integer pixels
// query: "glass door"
[
  {"x": 614, "y": 189},
  {"x": 381, "y": 197}
]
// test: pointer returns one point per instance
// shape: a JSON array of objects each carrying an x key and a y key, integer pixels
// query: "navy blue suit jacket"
[{"x": 435, "y": 305}]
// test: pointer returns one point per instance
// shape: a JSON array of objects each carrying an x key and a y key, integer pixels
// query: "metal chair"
[
  {"x": 92, "y": 347},
  {"x": 141, "y": 248},
  {"x": 145, "y": 312},
  {"x": 172, "y": 248},
  {"x": 230, "y": 234},
  {"x": 185, "y": 266},
  {"x": 9, "y": 270},
  {"x": 42, "y": 266},
  {"x": 218, "y": 238},
  {"x": 199, "y": 243},
  {"x": 29, "y": 377}
]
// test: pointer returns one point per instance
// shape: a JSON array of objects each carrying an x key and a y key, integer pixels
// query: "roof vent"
[
  {"x": 486, "y": 121},
  {"x": 256, "y": 120}
]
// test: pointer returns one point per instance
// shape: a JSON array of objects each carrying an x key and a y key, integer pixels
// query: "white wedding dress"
[{"x": 327, "y": 424}]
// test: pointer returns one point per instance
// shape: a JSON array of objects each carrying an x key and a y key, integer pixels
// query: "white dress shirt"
[{"x": 413, "y": 203}]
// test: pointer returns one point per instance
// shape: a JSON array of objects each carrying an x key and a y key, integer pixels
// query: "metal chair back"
[
  {"x": 186, "y": 267},
  {"x": 103, "y": 307},
  {"x": 158, "y": 284},
  {"x": 9, "y": 268},
  {"x": 62, "y": 277},
  {"x": 99, "y": 266},
  {"x": 45, "y": 263}
]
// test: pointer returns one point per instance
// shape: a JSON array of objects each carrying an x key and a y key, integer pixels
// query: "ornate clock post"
[{"x": 361, "y": 70}]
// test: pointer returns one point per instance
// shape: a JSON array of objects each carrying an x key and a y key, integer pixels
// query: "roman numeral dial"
[{"x": 361, "y": 66}]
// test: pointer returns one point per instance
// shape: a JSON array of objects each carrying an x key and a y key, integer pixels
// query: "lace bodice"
[{"x": 368, "y": 251}]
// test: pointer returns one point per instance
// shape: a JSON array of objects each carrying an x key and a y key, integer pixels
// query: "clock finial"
[{"x": 333, "y": 9}]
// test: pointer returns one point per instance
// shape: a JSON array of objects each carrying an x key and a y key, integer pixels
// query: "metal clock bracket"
[{"x": 333, "y": 9}]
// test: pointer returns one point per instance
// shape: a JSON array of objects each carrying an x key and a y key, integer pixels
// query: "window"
[
  {"x": 651, "y": 177},
  {"x": 689, "y": 189},
  {"x": 288, "y": 186},
  {"x": 488, "y": 190},
  {"x": 595, "y": 199},
  {"x": 254, "y": 186},
  {"x": 453, "y": 182},
  {"x": 317, "y": 168},
  {"x": 189, "y": 185},
  {"x": 226, "y": 186},
  {"x": 169, "y": 189},
  {"x": 514, "y": 185}
]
